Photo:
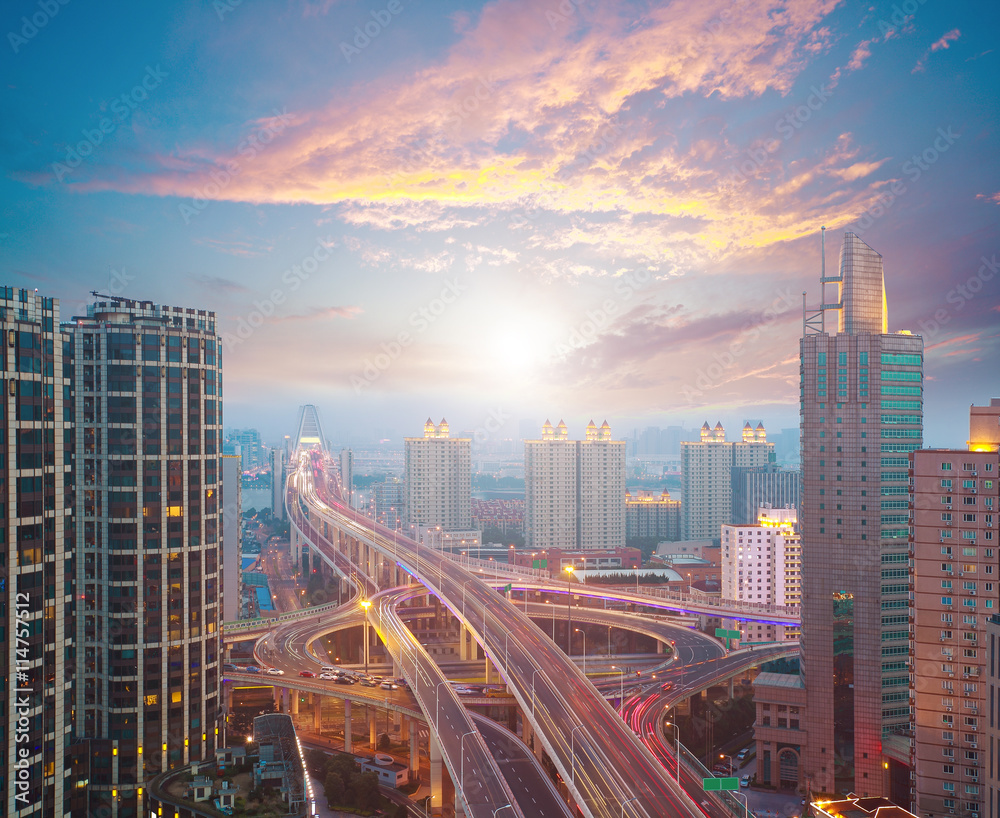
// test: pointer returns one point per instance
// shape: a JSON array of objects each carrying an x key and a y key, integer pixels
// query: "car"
[
  {"x": 389, "y": 685},
  {"x": 343, "y": 680},
  {"x": 329, "y": 676},
  {"x": 230, "y": 666},
  {"x": 273, "y": 671},
  {"x": 745, "y": 781},
  {"x": 252, "y": 669},
  {"x": 328, "y": 669},
  {"x": 465, "y": 691},
  {"x": 667, "y": 686},
  {"x": 743, "y": 753},
  {"x": 369, "y": 683},
  {"x": 308, "y": 674},
  {"x": 496, "y": 692}
]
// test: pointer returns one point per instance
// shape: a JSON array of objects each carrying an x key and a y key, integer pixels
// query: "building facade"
[
  {"x": 438, "y": 479},
  {"x": 278, "y": 483},
  {"x": 232, "y": 537},
  {"x": 707, "y": 467},
  {"x": 861, "y": 410},
  {"x": 758, "y": 486},
  {"x": 148, "y": 412},
  {"x": 651, "y": 515},
  {"x": 36, "y": 559},
  {"x": 763, "y": 563},
  {"x": 956, "y": 585},
  {"x": 574, "y": 489}
]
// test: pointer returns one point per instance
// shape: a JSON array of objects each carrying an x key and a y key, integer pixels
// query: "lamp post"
[
  {"x": 366, "y": 604},
  {"x": 746, "y": 803},
  {"x": 569, "y": 611},
  {"x": 677, "y": 745},
  {"x": 731, "y": 765},
  {"x": 461, "y": 768},
  {"x": 630, "y": 800},
  {"x": 572, "y": 751},
  {"x": 621, "y": 694},
  {"x": 584, "y": 635}
]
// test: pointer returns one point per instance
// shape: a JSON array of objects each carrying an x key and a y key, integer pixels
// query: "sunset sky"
[{"x": 520, "y": 209}]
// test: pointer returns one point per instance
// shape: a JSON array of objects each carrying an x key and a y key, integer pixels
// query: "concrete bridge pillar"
[
  {"x": 463, "y": 642},
  {"x": 318, "y": 713},
  {"x": 284, "y": 700},
  {"x": 293, "y": 701},
  {"x": 414, "y": 752},
  {"x": 489, "y": 671},
  {"x": 404, "y": 727},
  {"x": 348, "y": 737},
  {"x": 436, "y": 783},
  {"x": 372, "y": 728}
]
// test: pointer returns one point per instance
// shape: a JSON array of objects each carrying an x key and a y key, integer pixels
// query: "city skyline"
[{"x": 613, "y": 208}]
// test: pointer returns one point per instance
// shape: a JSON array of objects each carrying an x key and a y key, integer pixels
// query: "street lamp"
[
  {"x": 746, "y": 803},
  {"x": 569, "y": 611},
  {"x": 461, "y": 768},
  {"x": 731, "y": 765},
  {"x": 621, "y": 694},
  {"x": 366, "y": 604},
  {"x": 572, "y": 751},
  {"x": 677, "y": 750},
  {"x": 630, "y": 800},
  {"x": 584, "y": 635}
]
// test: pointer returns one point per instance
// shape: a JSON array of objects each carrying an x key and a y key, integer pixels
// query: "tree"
[
  {"x": 316, "y": 761},
  {"x": 333, "y": 788},
  {"x": 401, "y": 811},
  {"x": 366, "y": 794},
  {"x": 383, "y": 742}
]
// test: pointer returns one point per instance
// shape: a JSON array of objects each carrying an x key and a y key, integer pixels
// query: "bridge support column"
[
  {"x": 414, "y": 752},
  {"x": 436, "y": 783},
  {"x": 317, "y": 713},
  {"x": 732, "y": 692},
  {"x": 660, "y": 647},
  {"x": 284, "y": 700},
  {"x": 489, "y": 671},
  {"x": 404, "y": 728},
  {"x": 373, "y": 728},
  {"x": 348, "y": 737},
  {"x": 463, "y": 642},
  {"x": 293, "y": 701}
]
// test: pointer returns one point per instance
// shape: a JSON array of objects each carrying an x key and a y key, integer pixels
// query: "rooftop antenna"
[{"x": 117, "y": 298}]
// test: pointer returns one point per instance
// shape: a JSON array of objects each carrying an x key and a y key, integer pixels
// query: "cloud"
[
  {"x": 938, "y": 45},
  {"x": 219, "y": 284},
  {"x": 243, "y": 249},
  {"x": 995, "y": 198},
  {"x": 861, "y": 53},
  {"x": 321, "y": 314}
]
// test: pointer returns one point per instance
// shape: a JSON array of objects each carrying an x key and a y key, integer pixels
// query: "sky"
[{"x": 516, "y": 210}]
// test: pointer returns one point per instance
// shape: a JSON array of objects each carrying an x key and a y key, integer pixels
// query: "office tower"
[
  {"x": 707, "y": 477},
  {"x": 861, "y": 410},
  {"x": 232, "y": 537},
  {"x": 148, "y": 575},
  {"x": 438, "y": 478},
  {"x": 278, "y": 483},
  {"x": 347, "y": 475},
  {"x": 650, "y": 515},
  {"x": 763, "y": 563},
  {"x": 574, "y": 489},
  {"x": 310, "y": 430},
  {"x": 956, "y": 514},
  {"x": 36, "y": 559},
  {"x": 601, "y": 489},
  {"x": 767, "y": 485},
  {"x": 387, "y": 503}
]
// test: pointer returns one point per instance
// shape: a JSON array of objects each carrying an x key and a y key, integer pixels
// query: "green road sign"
[
  {"x": 540, "y": 563},
  {"x": 507, "y": 588},
  {"x": 725, "y": 633},
  {"x": 716, "y": 784}
]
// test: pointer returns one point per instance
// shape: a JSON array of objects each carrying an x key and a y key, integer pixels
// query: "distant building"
[
  {"x": 707, "y": 476},
  {"x": 277, "y": 484},
  {"x": 953, "y": 559},
  {"x": 758, "y": 486},
  {"x": 387, "y": 503},
  {"x": 505, "y": 515},
  {"x": 574, "y": 489},
  {"x": 232, "y": 538},
  {"x": 347, "y": 476},
  {"x": 438, "y": 480},
  {"x": 763, "y": 563},
  {"x": 650, "y": 515},
  {"x": 556, "y": 560}
]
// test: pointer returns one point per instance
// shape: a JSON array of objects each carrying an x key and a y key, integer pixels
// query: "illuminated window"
[{"x": 175, "y": 511}]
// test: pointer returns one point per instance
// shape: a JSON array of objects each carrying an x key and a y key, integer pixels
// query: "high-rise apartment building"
[
  {"x": 956, "y": 585},
  {"x": 347, "y": 475},
  {"x": 278, "y": 483},
  {"x": 148, "y": 412},
  {"x": 438, "y": 479},
  {"x": 387, "y": 503},
  {"x": 763, "y": 563},
  {"x": 651, "y": 515},
  {"x": 574, "y": 489},
  {"x": 36, "y": 559},
  {"x": 707, "y": 467},
  {"x": 861, "y": 409}
]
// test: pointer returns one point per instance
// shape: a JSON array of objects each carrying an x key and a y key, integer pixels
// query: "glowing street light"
[
  {"x": 366, "y": 604},
  {"x": 569, "y": 611}
]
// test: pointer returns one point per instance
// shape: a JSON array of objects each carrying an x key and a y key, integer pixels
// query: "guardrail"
[{"x": 269, "y": 622}]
